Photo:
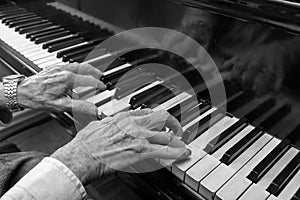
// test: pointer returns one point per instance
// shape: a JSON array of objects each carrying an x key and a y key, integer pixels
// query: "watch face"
[{"x": 13, "y": 77}]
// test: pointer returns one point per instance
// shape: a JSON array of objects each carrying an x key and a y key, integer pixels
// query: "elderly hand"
[
  {"x": 260, "y": 68},
  {"x": 120, "y": 141},
  {"x": 48, "y": 89}
]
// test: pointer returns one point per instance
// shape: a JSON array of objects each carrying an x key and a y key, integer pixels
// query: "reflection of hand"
[
  {"x": 120, "y": 141},
  {"x": 260, "y": 68},
  {"x": 48, "y": 89}
]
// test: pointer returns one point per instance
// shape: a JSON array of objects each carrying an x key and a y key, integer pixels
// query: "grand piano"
[{"x": 251, "y": 150}]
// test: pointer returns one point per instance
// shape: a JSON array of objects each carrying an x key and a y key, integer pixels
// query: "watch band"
[{"x": 10, "y": 85}]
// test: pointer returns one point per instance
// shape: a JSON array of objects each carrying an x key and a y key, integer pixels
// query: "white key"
[
  {"x": 39, "y": 56},
  {"x": 43, "y": 60},
  {"x": 214, "y": 181},
  {"x": 53, "y": 62},
  {"x": 174, "y": 101},
  {"x": 101, "y": 98},
  {"x": 199, "y": 118},
  {"x": 114, "y": 106},
  {"x": 220, "y": 152},
  {"x": 258, "y": 157},
  {"x": 215, "y": 130},
  {"x": 97, "y": 59},
  {"x": 233, "y": 188},
  {"x": 266, "y": 180},
  {"x": 291, "y": 188},
  {"x": 238, "y": 184},
  {"x": 200, "y": 170},
  {"x": 255, "y": 192},
  {"x": 179, "y": 168}
]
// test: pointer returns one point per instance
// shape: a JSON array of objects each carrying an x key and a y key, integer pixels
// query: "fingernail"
[{"x": 187, "y": 153}]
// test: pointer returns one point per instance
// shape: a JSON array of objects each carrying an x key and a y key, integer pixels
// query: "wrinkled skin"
[
  {"x": 120, "y": 141},
  {"x": 260, "y": 68},
  {"x": 48, "y": 89}
]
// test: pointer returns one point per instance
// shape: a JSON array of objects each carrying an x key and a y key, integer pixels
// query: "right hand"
[{"x": 120, "y": 141}]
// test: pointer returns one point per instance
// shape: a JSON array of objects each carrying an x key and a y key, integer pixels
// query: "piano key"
[
  {"x": 285, "y": 176},
  {"x": 43, "y": 32},
  {"x": 51, "y": 36},
  {"x": 33, "y": 28},
  {"x": 115, "y": 72},
  {"x": 266, "y": 180},
  {"x": 179, "y": 168},
  {"x": 291, "y": 188},
  {"x": 137, "y": 100},
  {"x": 174, "y": 101},
  {"x": 65, "y": 44},
  {"x": 241, "y": 146},
  {"x": 115, "y": 106},
  {"x": 25, "y": 15},
  {"x": 225, "y": 136},
  {"x": 185, "y": 106},
  {"x": 233, "y": 189},
  {"x": 102, "y": 98},
  {"x": 200, "y": 170},
  {"x": 264, "y": 166},
  {"x": 75, "y": 51},
  {"x": 53, "y": 62},
  {"x": 255, "y": 192},
  {"x": 24, "y": 22},
  {"x": 297, "y": 195},
  {"x": 261, "y": 109},
  {"x": 276, "y": 117},
  {"x": 40, "y": 61},
  {"x": 238, "y": 184},
  {"x": 79, "y": 58},
  {"x": 239, "y": 101},
  {"x": 214, "y": 181}
]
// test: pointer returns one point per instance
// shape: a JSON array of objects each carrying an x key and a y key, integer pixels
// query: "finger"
[
  {"x": 250, "y": 75},
  {"x": 161, "y": 119},
  {"x": 237, "y": 71},
  {"x": 265, "y": 81},
  {"x": 279, "y": 79},
  {"x": 141, "y": 112},
  {"x": 85, "y": 81},
  {"x": 75, "y": 106},
  {"x": 82, "y": 69},
  {"x": 165, "y": 138},
  {"x": 228, "y": 65},
  {"x": 166, "y": 152}
]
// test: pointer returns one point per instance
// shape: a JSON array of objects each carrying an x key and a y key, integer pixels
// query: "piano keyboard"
[{"x": 231, "y": 157}]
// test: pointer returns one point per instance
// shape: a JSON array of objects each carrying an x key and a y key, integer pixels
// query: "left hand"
[
  {"x": 48, "y": 89},
  {"x": 260, "y": 68}
]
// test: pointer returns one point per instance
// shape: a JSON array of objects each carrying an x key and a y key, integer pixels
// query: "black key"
[
  {"x": 199, "y": 128},
  {"x": 53, "y": 36},
  {"x": 75, "y": 50},
  {"x": 32, "y": 24},
  {"x": 33, "y": 28},
  {"x": 66, "y": 44},
  {"x": 276, "y": 117},
  {"x": 79, "y": 52},
  {"x": 237, "y": 149},
  {"x": 137, "y": 100},
  {"x": 21, "y": 16},
  {"x": 177, "y": 110},
  {"x": 107, "y": 76},
  {"x": 294, "y": 135},
  {"x": 44, "y": 33},
  {"x": 297, "y": 195},
  {"x": 285, "y": 176},
  {"x": 260, "y": 110},
  {"x": 268, "y": 162},
  {"x": 240, "y": 101},
  {"x": 59, "y": 41},
  {"x": 25, "y": 21},
  {"x": 79, "y": 58},
  {"x": 225, "y": 136},
  {"x": 230, "y": 132},
  {"x": 160, "y": 99}
]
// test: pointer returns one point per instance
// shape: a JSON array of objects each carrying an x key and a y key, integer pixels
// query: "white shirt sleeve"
[{"x": 49, "y": 180}]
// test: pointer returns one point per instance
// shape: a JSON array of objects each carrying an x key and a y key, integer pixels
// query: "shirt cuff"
[{"x": 49, "y": 180}]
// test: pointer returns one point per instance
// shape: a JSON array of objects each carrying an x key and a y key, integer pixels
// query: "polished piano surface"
[{"x": 248, "y": 151}]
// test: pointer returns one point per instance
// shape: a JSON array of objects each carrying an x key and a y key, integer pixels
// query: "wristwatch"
[{"x": 10, "y": 84}]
